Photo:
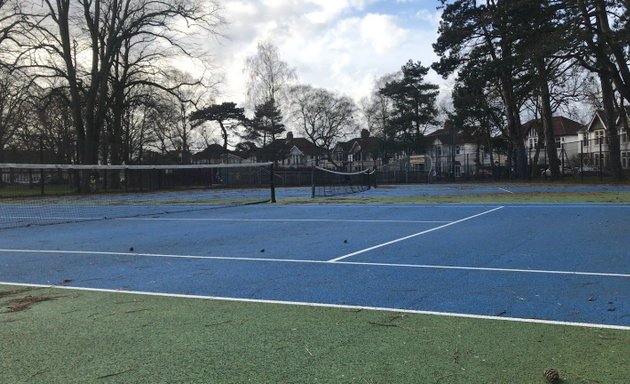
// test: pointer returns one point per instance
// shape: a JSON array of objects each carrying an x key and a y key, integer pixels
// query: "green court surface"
[{"x": 53, "y": 335}]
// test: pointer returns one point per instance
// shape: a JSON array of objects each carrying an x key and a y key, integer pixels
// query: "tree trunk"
[
  {"x": 547, "y": 119},
  {"x": 608, "y": 98}
]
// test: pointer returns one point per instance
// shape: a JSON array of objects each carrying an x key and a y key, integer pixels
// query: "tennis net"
[
  {"x": 326, "y": 182},
  {"x": 40, "y": 194}
]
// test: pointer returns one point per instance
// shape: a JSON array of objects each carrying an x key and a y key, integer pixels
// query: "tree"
[
  {"x": 481, "y": 37},
  {"x": 414, "y": 105},
  {"x": 227, "y": 115},
  {"x": 55, "y": 127},
  {"x": 478, "y": 111},
  {"x": 11, "y": 22},
  {"x": 16, "y": 103},
  {"x": 269, "y": 76},
  {"x": 540, "y": 45},
  {"x": 266, "y": 124},
  {"x": 604, "y": 50},
  {"x": 80, "y": 41},
  {"x": 321, "y": 115}
]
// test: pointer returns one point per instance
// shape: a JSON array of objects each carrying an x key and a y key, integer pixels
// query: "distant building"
[
  {"x": 595, "y": 140},
  {"x": 216, "y": 154},
  {"x": 451, "y": 152},
  {"x": 292, "y": 152},
  {"x": 359, "y": 153},
  {"x": 566, "y": 133}
]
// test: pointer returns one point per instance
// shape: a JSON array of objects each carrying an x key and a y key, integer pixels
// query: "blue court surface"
[{"x": 530, "y": 262}]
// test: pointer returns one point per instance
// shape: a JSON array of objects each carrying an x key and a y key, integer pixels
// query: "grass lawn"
[{"x": 52, "y": 335}]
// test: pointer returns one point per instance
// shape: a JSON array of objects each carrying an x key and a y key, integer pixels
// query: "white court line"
[
  {"x": 306, "y": 261},
  {"x": 238, "y": 220},
  {"x": 506, "y": 190},
  {"x": 244, "y": 220},
  {"x": 333, "y": 306},
  {"x": 411, "y": 236}
]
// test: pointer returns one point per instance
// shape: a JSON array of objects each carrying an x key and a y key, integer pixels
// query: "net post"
[
  {"x": 272, "y": 182},
  {"x": 41, "y": 160},
  {"x": 126, "y": 171},
  {"x": 41, "y": 182},
  {"x": 313, "y": 182}
]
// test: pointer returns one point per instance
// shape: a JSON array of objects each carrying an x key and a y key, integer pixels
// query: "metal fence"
[{"x": 585, "y": 158}]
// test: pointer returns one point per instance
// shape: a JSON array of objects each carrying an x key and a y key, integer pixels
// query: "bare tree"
[
  {"x": 11, "y": 19},
  {"x": 269, "y": 76},
  {"x": 378, "y": 109},
  {"x": 55, "y": 127},
  {"x": 82, "y": 40},
  {"x": 14, "y": 108},
  {"x": 321, "y": 115}
]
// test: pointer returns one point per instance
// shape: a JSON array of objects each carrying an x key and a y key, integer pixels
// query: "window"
[
  {"x": 558, "y": 144},
  {"x": 600, "y": 137},
  {"x": 625, "y": 156},
  {"x": 457, "y": 150},
  {"x": 585, "y": 139}
]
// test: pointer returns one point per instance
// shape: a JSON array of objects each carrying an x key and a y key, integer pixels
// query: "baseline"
[{"x": 332, "y": 306}]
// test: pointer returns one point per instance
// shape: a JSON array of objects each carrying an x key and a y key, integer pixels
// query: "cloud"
[
  {"x": 341, "y": 45},
  {"x": 381, "y": 33}
]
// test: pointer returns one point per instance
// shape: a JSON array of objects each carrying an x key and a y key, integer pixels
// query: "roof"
[
  {"x": 444, "y": 135},
  {"x": 367, "y": 144},
  {"x": 600, "y": 115},
  {"x": 212, "y": 151},
  {"x": 562, "y": 126},
  {"x": 304, "y": 145}
]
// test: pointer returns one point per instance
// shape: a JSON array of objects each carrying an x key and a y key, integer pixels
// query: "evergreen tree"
[
  {"x": 227, "y": 115},
  {"x": 481, "y": 38},
  {"x": 266, "y": 124},
  {"x": 414, "y": 105}
]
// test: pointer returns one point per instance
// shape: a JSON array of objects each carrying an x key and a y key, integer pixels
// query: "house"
[
  {"x": 566, "y": 133},
  {"x": 595, "y": 137},
  {"x": 216, "y": 154},
  {"x": 292, "y": 152},
  {"x": 452, "y": 152},
  {"x": 359, "y": 153}
]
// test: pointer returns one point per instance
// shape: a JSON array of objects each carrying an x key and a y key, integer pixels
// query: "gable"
[
  {"x": 295, "y": 151},
  {"x": 597, "y": 122}
]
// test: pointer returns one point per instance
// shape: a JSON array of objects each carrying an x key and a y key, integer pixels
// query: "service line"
[
  {"x": 321, "y": 262},
  {"x": 337, "y": 259}
]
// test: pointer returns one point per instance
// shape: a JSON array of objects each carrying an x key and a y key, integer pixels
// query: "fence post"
[
  {"x": 562, "y": 160},
  {"x": 601, "y": 160},
  {"x": 582, "y": 161}
]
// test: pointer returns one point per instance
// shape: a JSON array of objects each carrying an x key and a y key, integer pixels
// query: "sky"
[{"x": 340, "y": 45}]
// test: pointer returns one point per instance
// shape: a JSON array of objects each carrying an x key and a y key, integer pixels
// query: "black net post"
[
  {"x": 313, "y": 182},
  {"x": 41, "y": 160},
  {"x": 272, "y": 183}
]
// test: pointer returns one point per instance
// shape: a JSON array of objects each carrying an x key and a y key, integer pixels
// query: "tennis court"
[{"x": 530, "y": 262}]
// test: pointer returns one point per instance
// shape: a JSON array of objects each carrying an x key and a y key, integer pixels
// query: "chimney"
[
  {"x": 289, "y": 135},
  {"x": 365, "y": 133}
]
